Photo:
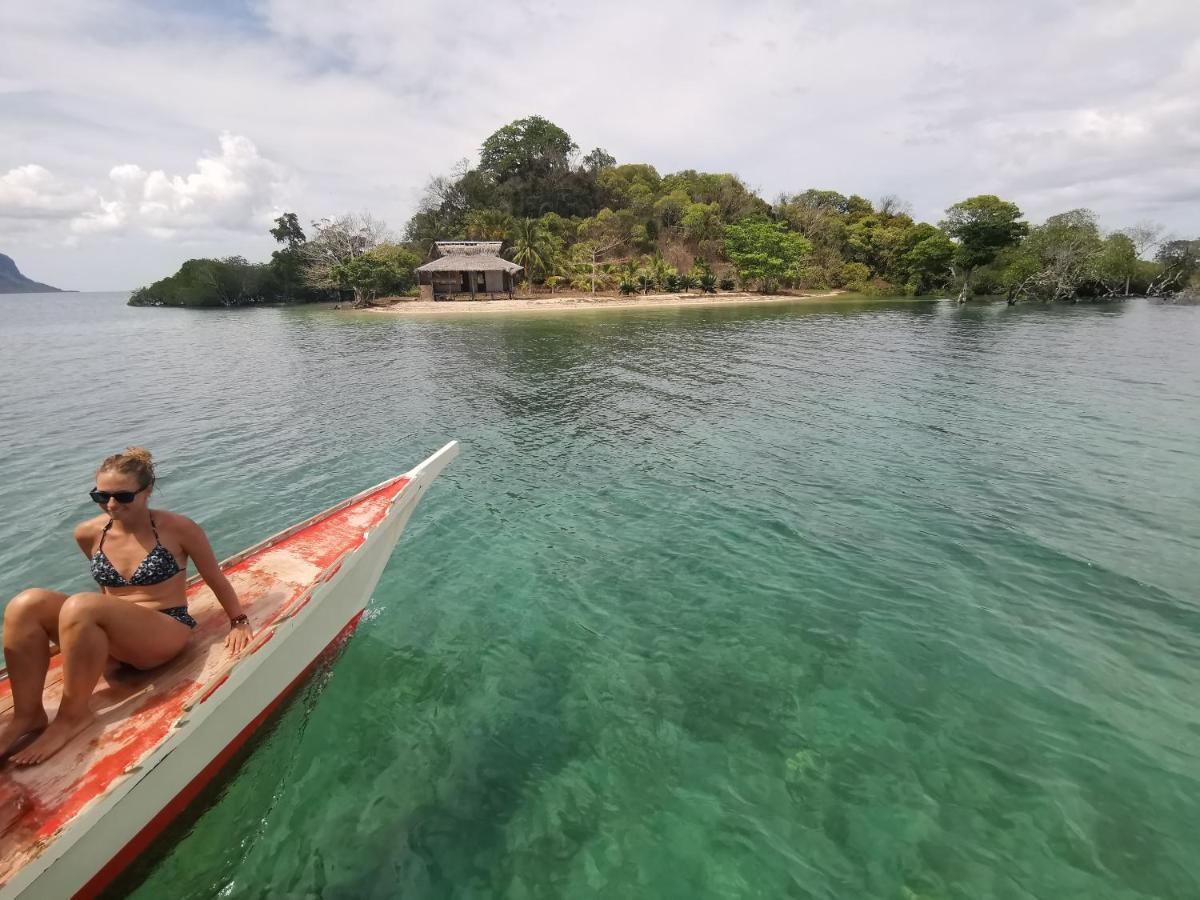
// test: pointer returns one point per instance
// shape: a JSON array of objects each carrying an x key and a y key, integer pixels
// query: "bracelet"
[{"x": 243, "y": 619}]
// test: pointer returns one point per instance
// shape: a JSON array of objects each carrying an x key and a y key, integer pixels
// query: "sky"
[{"x": 137, "y": 134}]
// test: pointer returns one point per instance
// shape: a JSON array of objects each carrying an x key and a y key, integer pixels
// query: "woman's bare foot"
[
  {"x": 18, "y": 731},
  {"x": 53, "y": 739}
]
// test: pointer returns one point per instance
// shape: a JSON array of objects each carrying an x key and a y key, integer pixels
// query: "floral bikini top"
[{"x": 158, "y": 566}]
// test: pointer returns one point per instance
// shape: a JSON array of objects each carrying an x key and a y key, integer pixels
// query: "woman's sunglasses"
[{"x": 102, "y": 497}]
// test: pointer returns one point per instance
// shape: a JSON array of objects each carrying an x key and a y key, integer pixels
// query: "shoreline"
[{"x": 572, "y": 303}]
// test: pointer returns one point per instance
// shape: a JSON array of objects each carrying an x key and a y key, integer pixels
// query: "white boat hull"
[{"x": 102, "y": 839}]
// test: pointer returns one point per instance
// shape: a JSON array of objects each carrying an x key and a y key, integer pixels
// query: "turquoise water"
[{"x": 892, "y": 600}]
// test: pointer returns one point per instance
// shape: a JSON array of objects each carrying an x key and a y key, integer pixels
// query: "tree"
[
  {"x": 487, "y": 225},
  {"x": 669, "y": 209},
  {"x": 530, "y": 247},
  {"x": 287, "y": 231},
  {"x": 286, "y": 263},
  {"x": 877, "y": 241},
  {"x": 337, "y": 242},
  {"x": 599, "y": 241},
  {"x": 529, "y": 163},
  {"x": 231, "y": 281},
  {"x": 526, "y": 148},
  {"x": 982, "y": 226},
  {"x": 1117, "y": 264},
  {"x": 1061, "y": 257},
  {"x": 891, "y": 205},
  {"x": 927, "y": 259},
  {"x": 631, "y": 186},
  {"x": 386, "y": 270},
  {"x": 1145, "y": 237},
  {"x": 1180, "y": 261},
  {"x": 598, "y": 159},
  {"x": 587, "y": 268},
  {"x": 821, "y": 217},
  {"x": 855, "y": 276},
  {"x": 661, "y": 270},
  {"x": 765, "y": 253},
  {"x": 702, "y": 222}
]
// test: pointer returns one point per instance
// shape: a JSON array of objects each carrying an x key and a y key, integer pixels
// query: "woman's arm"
[
  {"x": 195, "y": 545},
  {"x": 85, "y": 536}
]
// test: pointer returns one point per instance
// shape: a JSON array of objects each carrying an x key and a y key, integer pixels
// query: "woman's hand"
[{"x": 238, "y": 638}]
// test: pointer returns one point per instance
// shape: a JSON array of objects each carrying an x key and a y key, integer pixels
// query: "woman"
[{"x": 139, "y": 615}]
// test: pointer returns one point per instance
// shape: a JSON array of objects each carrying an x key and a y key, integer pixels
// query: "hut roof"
[
  {"x": 468, "y": 248},
  {"x": 470, "y": 263}
]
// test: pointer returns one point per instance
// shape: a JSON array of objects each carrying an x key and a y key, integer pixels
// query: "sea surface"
[{"x": 864, "y": 600}]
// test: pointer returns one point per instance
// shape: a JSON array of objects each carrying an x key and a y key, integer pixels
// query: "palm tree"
[
  {"x": 529, "y": 246},
  {"x": 628, "y": 270},
  {"x": 660, "y": 269},
  {"x": 488, "y": 225}
]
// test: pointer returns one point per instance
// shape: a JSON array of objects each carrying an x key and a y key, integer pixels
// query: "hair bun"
[{"x": 134, "y": 461}]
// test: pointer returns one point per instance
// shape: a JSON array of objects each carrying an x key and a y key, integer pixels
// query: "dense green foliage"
[
  {"x": 982, "y": 227},
  {"x": 205, "y": 282},
  {"x": 349, "y": 255},
  {"x": 233, "y": 281},
  {"x": 387, "y": 270},
  {"x": 765, "y": 253},
  {"x": 592, "y": 224}
]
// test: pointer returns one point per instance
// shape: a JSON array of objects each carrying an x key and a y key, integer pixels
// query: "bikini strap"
[
  {"x": 155, "y": 530},
  {"x": 103, "y": 532}
]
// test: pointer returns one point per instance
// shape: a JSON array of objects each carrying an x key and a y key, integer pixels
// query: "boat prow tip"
[{"x": 433, "y": 465}]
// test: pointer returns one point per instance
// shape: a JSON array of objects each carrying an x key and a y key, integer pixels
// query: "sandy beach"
[{"x": 567, "y": 302}]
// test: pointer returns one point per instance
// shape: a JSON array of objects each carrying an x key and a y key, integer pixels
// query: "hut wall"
[
  {"x": 495, "y": 282},
  {"x": 446, "y": 283}
]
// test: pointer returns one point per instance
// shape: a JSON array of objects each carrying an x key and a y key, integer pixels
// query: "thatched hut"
[{"x": 467, "y": 267}]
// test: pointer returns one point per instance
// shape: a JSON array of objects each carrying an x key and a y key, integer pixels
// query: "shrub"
[
  {"x": 708, "y": 283},
  {"x": 627, "y": 288},
  {"x": 855, "y": 277},
  {"x": 727, "y": 284}
]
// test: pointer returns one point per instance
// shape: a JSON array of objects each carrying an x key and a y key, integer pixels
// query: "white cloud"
[
  {"x": 33, "y": 192},
  {"x": 239, "y": 190},
  {"x": 1046, "y": 102},
  {"x": 236, "y": 190}
]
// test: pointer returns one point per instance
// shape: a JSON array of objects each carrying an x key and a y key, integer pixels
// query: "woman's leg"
[
  {"x": 30, "y": 624},
  {"x": 92, "y": 627}
]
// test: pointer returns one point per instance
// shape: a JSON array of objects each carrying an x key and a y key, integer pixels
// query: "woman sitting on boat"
[{"x": 140, "y": 619}]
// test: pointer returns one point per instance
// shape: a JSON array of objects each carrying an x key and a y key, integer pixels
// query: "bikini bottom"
[{"x": 180, "y": 614}]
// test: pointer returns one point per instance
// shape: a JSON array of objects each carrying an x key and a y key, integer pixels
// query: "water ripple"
[{"x": 815, "y": 601}]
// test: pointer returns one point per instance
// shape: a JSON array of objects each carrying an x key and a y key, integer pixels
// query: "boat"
[{"x": 70, "y": 825}]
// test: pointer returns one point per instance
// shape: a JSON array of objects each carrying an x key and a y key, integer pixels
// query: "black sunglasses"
[{"x": 102, "y": 497}]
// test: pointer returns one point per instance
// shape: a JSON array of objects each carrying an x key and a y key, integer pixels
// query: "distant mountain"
[{"x": 13, "y": 282}]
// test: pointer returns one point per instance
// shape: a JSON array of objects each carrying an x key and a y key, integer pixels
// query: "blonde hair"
[{"x": 134, "y": 461}]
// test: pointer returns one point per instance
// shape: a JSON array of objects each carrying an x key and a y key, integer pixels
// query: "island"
[
  {"x": 13, "y": 282},
  {"x": 535, "y": 220}
]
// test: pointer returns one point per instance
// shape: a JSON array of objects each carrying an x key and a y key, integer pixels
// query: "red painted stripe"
[
  {"x": 212, "y": 690},
  {"x": 262, "y": 643},
  {"x": 154, "y": 827}
]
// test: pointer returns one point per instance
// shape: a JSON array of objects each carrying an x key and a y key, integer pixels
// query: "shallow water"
[{"x": 890, "y": 600}]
